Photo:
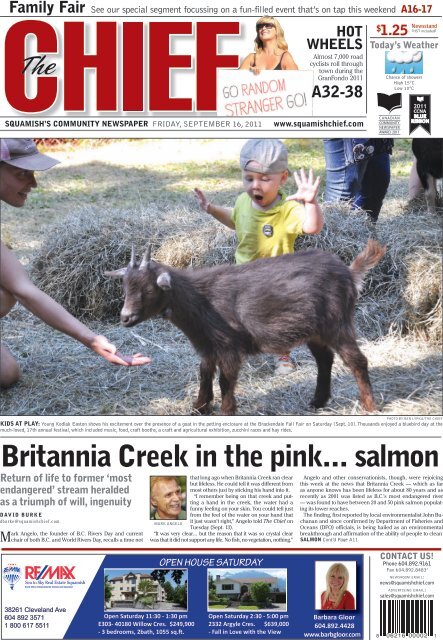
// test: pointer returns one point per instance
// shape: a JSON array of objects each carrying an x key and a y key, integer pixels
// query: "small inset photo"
[
  {"x": 146, "y": 589},
  {"x": 270, "y": 50},
  {"x": 168, "y": 498},
  {"x": 335, "y": 585},
  {"x": 240, "y": 590}
]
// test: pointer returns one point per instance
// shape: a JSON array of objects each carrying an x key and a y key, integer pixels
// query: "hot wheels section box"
[{"x": 293, "y": 596}]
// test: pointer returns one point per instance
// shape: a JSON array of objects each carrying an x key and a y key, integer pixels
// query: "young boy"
[{"x": 267, "y": 222}]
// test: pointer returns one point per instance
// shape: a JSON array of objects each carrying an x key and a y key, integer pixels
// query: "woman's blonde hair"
[
  {"x": 280, "y": 34},
  {"x": 339, "y": 569}
]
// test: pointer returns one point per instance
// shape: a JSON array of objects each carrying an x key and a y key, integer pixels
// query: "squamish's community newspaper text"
[{"x": 190, "y": 496}]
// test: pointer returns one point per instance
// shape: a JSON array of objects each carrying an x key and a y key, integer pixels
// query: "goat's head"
[{"x": 144, "y": 286}]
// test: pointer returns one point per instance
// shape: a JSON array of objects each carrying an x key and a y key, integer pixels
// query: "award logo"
[
  {"x": 389, "y": 102},
  {"x": 420, "y": 112}
]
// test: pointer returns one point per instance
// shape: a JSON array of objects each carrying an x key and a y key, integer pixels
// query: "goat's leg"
[
  {"x": 206, "y": 393},
  {"x": 228, "y": 380},
  {"x": 324, "y": 356},
  {"x": 431, "y": 193},
  {"x": 358, "y": 363}
]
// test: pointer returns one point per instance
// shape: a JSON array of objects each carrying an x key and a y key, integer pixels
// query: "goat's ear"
[
  {"x": 118, "y": 273},
  {"x": 164, "y": 280}
]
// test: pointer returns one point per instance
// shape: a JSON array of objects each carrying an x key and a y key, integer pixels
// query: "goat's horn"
[
  {"x": 146, "y": 258},
  {"x": 132, "y": 260}
]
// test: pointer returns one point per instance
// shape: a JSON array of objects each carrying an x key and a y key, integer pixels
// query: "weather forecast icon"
[
  {"x": 404, "y": 62},
  {"x": 12, "y": 574}
]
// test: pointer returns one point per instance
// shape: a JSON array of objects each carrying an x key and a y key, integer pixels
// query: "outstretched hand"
[
  {"x": 108, "y": 351},
  {"x": 202, "y": 199},
  {"x": 130, "y": 361},
  {"x": 307, "y": 187}
]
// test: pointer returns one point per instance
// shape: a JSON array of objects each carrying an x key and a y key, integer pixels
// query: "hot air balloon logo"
[{"x": 12, "y": 574}]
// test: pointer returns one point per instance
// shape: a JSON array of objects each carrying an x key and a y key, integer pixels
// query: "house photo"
[
  {"x": 234, "y": 588},
  {"x": 145, "y": 589}
]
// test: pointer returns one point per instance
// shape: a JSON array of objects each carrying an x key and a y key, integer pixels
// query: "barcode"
[{"x": 406, "y": 617}]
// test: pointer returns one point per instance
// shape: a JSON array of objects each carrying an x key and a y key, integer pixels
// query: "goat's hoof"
[
  {"x": 201, "y": 409},
  {"x": 367, "y": 402},
  {"x": 228, "y": 408},
  {"x": 369, "y": 407},
  {"x": 318, "y": 403}
]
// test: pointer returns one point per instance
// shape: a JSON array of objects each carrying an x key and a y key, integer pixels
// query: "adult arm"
[
  {"x": 14, "y": 279},
  {"x": 247, "y": 62}
]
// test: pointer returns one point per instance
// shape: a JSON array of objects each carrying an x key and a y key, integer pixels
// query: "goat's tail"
[{"x": 367, "y": 259}]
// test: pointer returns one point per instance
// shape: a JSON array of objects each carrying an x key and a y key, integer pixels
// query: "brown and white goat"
[{"x": 269, "y": 305}]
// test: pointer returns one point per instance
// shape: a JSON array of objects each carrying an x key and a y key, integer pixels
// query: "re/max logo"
[{"x": 48, "y": 572}]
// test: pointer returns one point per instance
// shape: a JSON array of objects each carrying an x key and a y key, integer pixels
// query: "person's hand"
[
  {"x": 108, "y": 351},
  {"x": 130, "y": 361},
  {"x": 307, "y": 187},
  {"x": 202, "y": 199}
]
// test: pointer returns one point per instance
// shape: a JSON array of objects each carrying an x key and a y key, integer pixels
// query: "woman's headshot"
[
  {"x": 270, "y": 48},
  {"x": 336, "y": 594}
]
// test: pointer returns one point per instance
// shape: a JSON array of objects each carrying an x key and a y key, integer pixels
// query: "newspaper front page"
[{"x": 127, "y": 508}]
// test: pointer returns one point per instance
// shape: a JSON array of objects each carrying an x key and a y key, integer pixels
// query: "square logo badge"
[{"x": 402, "y": 62}]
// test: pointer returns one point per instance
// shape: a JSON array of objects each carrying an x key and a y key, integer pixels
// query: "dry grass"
[
  {"x": 61, "y": 377},
  {"x": 398, "y": 315},
  {"x": 93, "y": 240}
]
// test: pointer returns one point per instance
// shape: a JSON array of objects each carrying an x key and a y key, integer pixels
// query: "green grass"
[{"x": 134, "y": 177}]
